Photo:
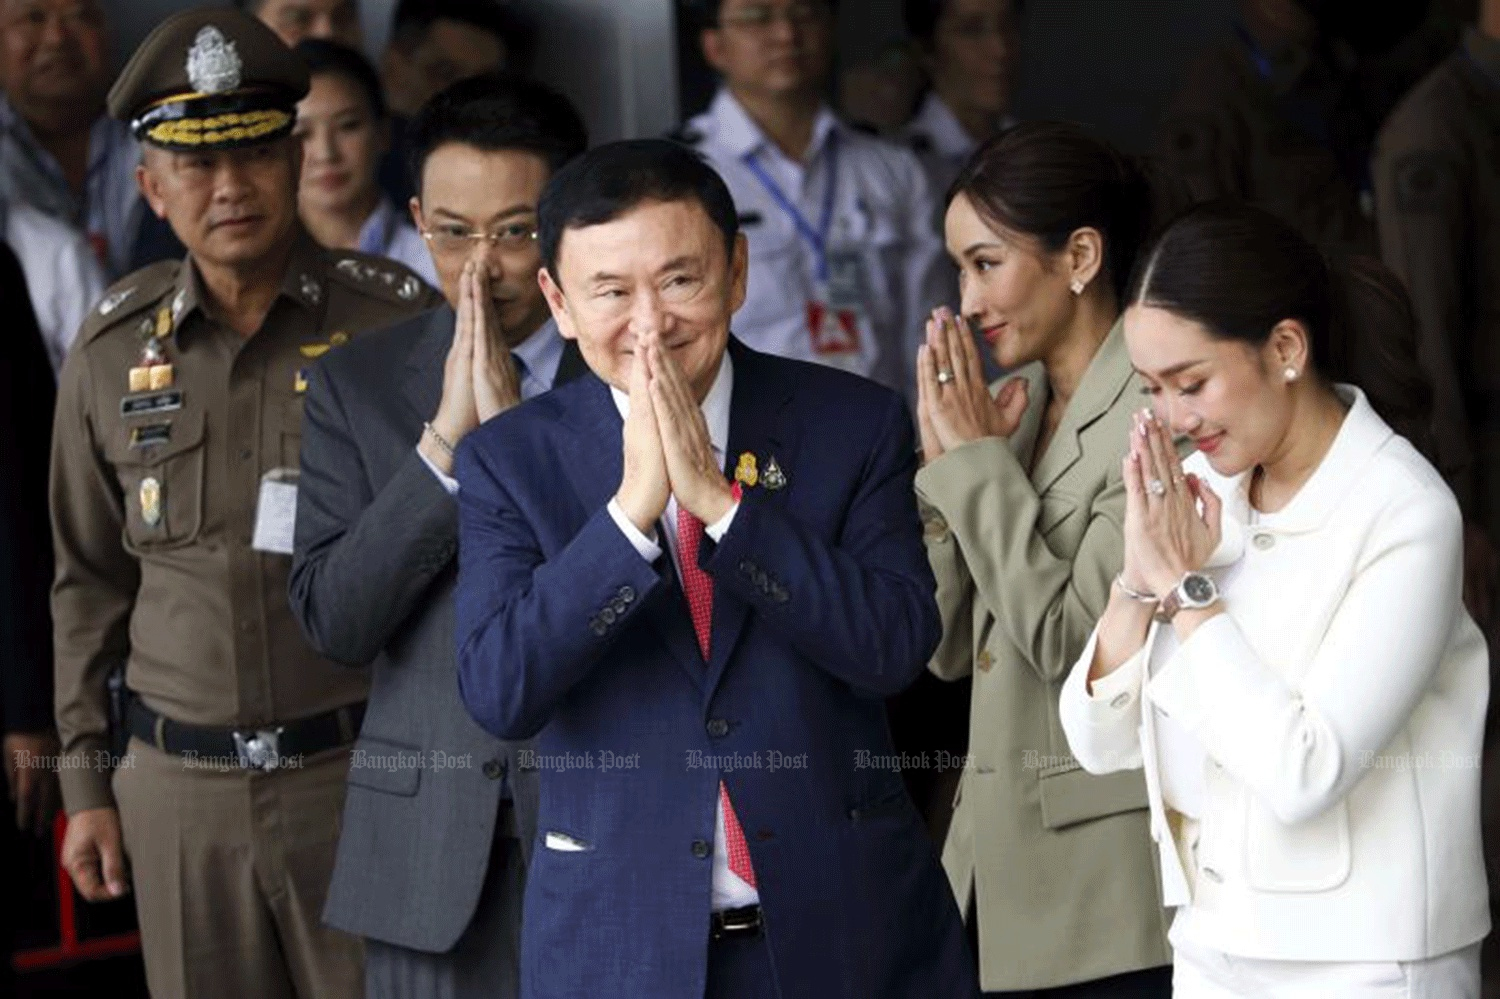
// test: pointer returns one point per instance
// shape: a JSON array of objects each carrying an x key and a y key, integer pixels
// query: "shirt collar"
[
  {"x": 375, "y": 235},
  {"x": 1362, "y": 434},
  {"x": 304, "y": 283},
  {"x": 715, "y": 405},
  {"x": 541, "y": 352},
  {"x": 937, "y": 121},
  {"x": 742, "y": 136}
]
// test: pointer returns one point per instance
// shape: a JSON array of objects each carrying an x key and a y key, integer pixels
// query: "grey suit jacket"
[{"x": 372, "y": 583}]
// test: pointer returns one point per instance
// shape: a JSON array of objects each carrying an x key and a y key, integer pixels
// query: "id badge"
[
  {"x": 834, "y": 332},
  {"x": 847, "y": 288},
  {"x": 276, "y": 512}
]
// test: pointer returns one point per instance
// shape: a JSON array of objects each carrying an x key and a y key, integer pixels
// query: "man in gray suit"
[{"x": 439, "y": 817}]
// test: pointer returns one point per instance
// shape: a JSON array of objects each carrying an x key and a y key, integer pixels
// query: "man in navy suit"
[{"x": 694, "y": 575}]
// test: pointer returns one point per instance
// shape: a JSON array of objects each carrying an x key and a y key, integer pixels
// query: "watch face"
[{"x": 1198, "y": 589}]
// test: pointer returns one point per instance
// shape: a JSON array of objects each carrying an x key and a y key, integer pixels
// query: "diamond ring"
[
  {"x": 1156, "y": 488},
  {"x": 945, "y": 376}
]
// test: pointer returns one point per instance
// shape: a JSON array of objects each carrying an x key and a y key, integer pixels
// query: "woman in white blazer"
[{"x": 1286, "y": 653}]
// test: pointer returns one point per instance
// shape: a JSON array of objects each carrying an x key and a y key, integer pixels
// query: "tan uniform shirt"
[
  {"x": 154, "y": 502},
  {"x": 1437, "y": 192},
  {"x": 1245, "y": 129}
]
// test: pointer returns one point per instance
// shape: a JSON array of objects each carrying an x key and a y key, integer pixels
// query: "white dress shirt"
[
  {"x": 1325, "y": 728},
  {"x": 111, "y": 209},
  {"x": 729, "y": 891},
  {"x": 540, "y": 355},
  {"x": 389, "y": 233},
  {"x": 63, "y": 278},
  {"x": 881, "y": 221}
]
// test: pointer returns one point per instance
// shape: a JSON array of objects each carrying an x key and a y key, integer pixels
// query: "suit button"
[
  {"x": 1213, "y": 875},
  {"x": 1265, "y": 542},
  {"x": 1120, "y": 701},
  {"x": 608, "y": 616},
  {"x": 701, "y": 849},
  {"x": 747, "y": 568},
  {"x": 492, "y": 769},
  {"x": 985, "y": 661},
  {"x": 618, "y": 606},
  {"x": 598, "y": 627},
  {"x": 626, "y": 595},
  {"x": 718, "y": 728}
]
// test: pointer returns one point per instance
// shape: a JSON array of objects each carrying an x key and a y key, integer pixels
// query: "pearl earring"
[
  {"x": 1077, "y": 286},
  {"x": 1291, "y": 374}
]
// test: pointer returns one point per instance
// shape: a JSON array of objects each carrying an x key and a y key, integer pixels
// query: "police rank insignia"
[
  {"x": 745, "y": 473},
  {"x": 774, "y": 478},
  {"x": 153, "y": 371},
  {"x": 299, "y": 381},
  {"x": 150, "y": 500}
]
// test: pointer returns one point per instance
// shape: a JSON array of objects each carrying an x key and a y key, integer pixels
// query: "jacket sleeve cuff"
[
  {"x": 647, "y": 548},
  {"x": 1102, "y": 720},
  {"x": 84, "y": 779},
  {"x": 449, "y": 483}
]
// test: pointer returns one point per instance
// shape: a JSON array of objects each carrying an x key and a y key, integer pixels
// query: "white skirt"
[{"x": 1200, "y": 973}]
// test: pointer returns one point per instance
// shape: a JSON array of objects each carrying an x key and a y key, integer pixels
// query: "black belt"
[
  {"x": 734, "y": 922},
  {"x": 253, "y": 749}
]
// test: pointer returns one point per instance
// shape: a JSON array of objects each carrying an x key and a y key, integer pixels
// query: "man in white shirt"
[
  {"x": 844, "y": 262},
  {"x": 62, "y": 275}
]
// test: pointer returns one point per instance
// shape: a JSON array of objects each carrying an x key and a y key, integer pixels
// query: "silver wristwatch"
[{"x": 1195, "y": 592}]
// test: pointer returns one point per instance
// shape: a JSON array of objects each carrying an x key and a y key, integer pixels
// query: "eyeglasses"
[
  {"x": 757, "y": 17},
  {"x": 450, "y": 239}
]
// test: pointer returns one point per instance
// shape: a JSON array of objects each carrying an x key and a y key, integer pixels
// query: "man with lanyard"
[
  {"x": 844, "y": 262},
  {"x": 59, "y": 151}
]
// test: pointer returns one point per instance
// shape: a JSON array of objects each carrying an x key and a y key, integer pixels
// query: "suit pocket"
[
  {"x": 385, "y": 766},
  {"x": 1071, "y": 795},
  {"x": 1309, "y": 856}
]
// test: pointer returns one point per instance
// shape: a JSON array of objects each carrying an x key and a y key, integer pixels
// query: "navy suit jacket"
[{"x": 823, "y": 606}]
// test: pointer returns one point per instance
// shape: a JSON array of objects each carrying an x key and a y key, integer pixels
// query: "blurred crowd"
[{"x": 1370, "y": 135}]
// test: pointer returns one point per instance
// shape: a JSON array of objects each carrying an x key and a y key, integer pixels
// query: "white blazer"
[{"x": 1339, "y": 705}]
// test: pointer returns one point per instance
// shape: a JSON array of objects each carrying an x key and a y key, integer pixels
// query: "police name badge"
[{"x": 276, "y": 512}]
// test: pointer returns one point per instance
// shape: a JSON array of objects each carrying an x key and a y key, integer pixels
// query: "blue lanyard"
[{"x": 816, "y": 238}]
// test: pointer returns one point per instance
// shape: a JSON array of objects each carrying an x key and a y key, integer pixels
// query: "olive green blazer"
[{"x": 1057, "y": 865}]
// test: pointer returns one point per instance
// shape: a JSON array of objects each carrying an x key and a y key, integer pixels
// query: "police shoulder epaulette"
[
  {"x": 128, "y": 297},
  {"x": 378, "y": 276}
]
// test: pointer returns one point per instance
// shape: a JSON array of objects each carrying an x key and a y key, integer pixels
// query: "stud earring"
[
  {"x": 1077, "y": 286},
  {"x": 1291, "y": 374}
]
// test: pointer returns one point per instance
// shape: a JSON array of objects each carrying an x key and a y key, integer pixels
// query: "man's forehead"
[
  {"x": 646, "y": 236},
  {"x": 451, "y": 177}
]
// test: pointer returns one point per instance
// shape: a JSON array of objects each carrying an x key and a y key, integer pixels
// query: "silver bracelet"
[
  {"x": 442, "y": 441},
  {"x": 1145, "y": 598}
]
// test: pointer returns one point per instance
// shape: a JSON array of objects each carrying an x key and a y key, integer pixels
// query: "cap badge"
[{"x": 213, "y": 64}]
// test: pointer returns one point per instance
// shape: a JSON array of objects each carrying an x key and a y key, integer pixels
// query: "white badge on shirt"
[{"x": 276, "y": 512}]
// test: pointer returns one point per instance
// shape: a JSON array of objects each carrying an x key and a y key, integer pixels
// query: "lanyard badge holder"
[{"x": 833, "y": 314}]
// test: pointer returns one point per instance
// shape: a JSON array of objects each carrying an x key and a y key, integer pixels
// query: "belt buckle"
[
  {"x": 730, "y": 922},
  {"x": 260, "y": 749}
]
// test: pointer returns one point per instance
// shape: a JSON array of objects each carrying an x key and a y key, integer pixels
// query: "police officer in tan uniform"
[{"x": 173, "y": 483}]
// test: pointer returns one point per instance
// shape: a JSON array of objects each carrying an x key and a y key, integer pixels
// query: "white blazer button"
[
  {"x": 1212, "y": 875},
  {"x": 1265, "y": 542},
  {"x": 1120, "y": 700}
]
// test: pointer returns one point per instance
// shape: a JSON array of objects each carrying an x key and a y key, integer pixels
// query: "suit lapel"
[
  {"x": 1107, "y": 376},
  {"x": 424, "y": 380},
  {"x": 596, "y": 463},
  {"x": 755, "y": 427}
]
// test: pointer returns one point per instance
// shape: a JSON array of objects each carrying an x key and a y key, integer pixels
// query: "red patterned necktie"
[{"x": 699, "y": 589}]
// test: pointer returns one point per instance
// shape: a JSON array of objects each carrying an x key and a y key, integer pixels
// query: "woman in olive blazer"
[{"x": 1024, "y": 506}]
